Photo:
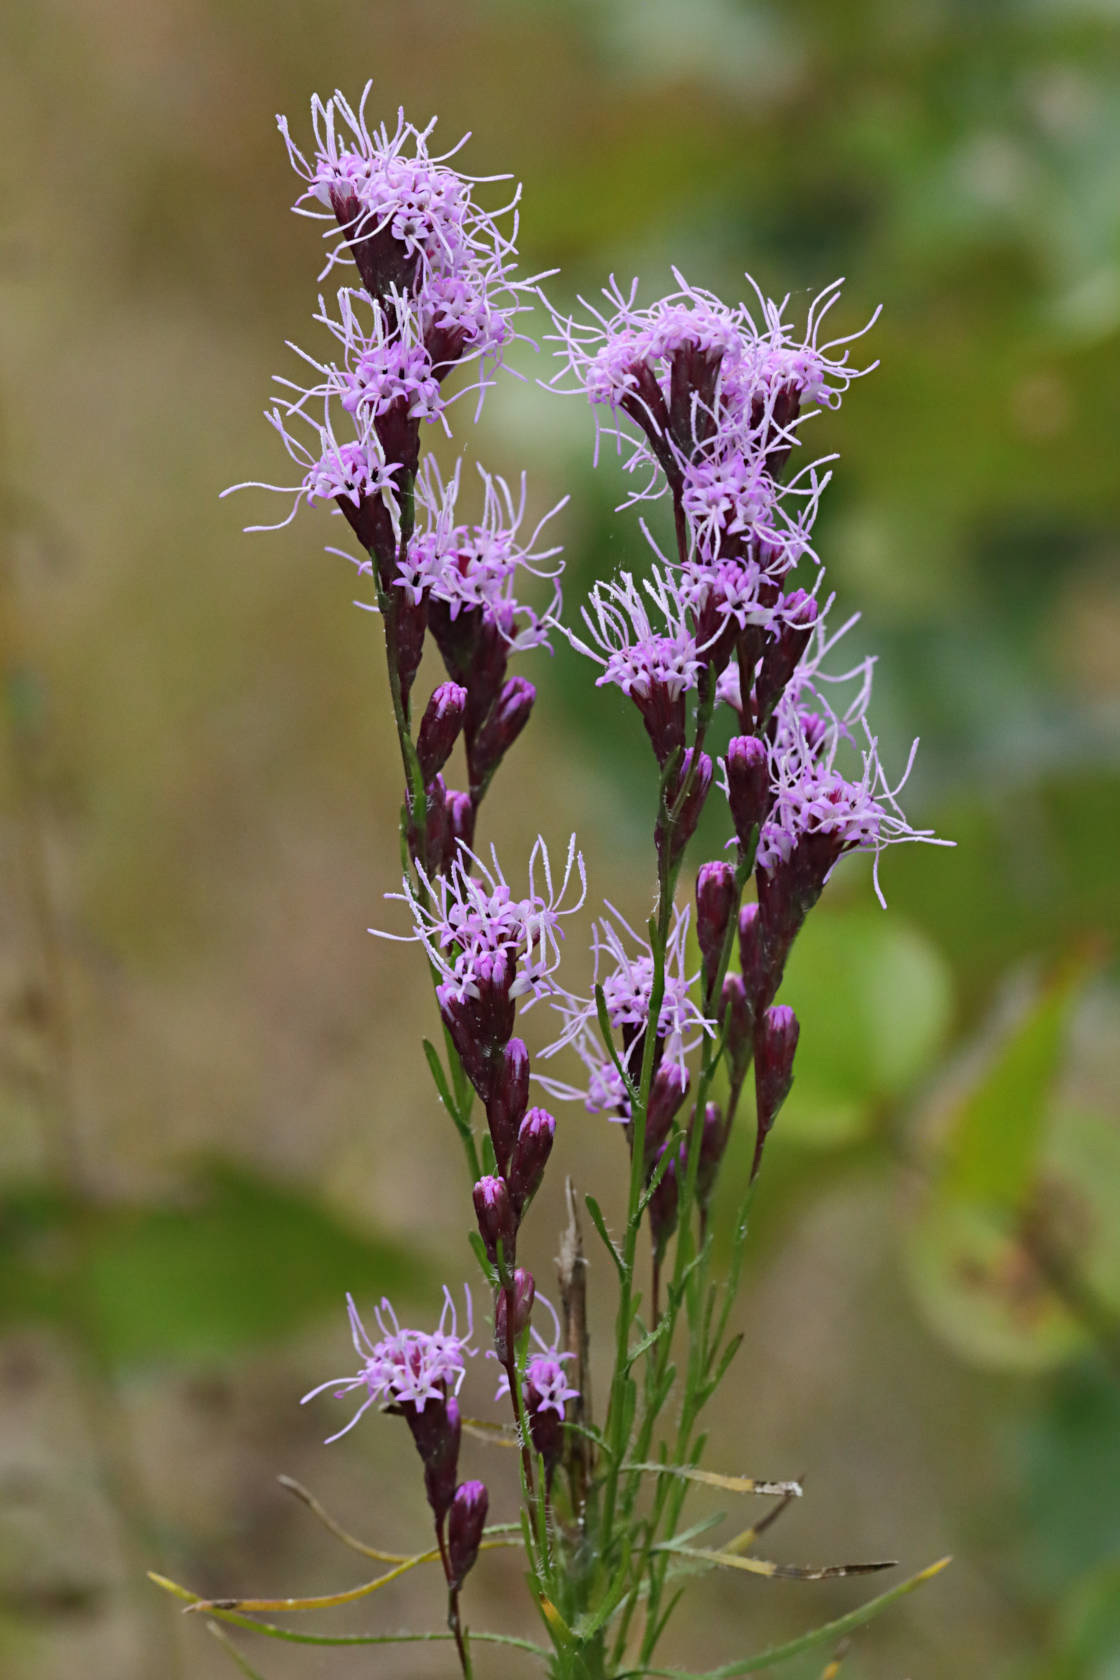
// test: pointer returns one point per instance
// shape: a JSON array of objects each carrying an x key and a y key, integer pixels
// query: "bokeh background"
[{"x": 215, "y": 1113}]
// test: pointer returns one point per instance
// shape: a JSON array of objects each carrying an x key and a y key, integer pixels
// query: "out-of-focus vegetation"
[{"x": 215, "y": 1111}]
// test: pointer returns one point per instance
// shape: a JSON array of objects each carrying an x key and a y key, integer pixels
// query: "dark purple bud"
[
  {"x": 775, "y": 1042},
  {"x": 465, "y": 1524},
  {"x": 663, "y": 713},
  {"x": 437, "y": 1430},
  {"x": 460, "y": 821},
  {"x": 713, "y": 1141},
  {"x": 496, "y": 1221},
  {"x": 372, "y": 525},
  {"x": 740, "y": 1020},
  {"x": 752, "y": 954},
  {"x": 667, "y": 1093},
  {"x": 748, "y": 788},
  {"x": 439, "y": 727},
  {"x": 716, "y": 897},
  {"x": 800, "y": 612},
  {"x": 458, "y": 1017},
  {"x": 530, "y": 1156},
  {"x": 504, "y": 724},
  {"x": 524, "y": 1293},
  {"x": 663, "y": 1203},
  {"x": 486, "y": 670},
  {"x": 437, "y": 830},
  {"x": 509, "y": 1098},
  {"x": 411, "y": 622},
  {"x": 685, "y": 797}
]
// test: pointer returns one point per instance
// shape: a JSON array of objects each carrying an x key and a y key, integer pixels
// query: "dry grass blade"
[
  {"x": 728, "y": 1484},
  {"x": 774, "y": 1571},
  {"x": 306, "y": 1497},
  {"x": 744, "y": 1541}
]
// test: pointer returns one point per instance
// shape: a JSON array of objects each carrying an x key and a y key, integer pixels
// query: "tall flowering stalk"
[{"x": 725, "y": 638}]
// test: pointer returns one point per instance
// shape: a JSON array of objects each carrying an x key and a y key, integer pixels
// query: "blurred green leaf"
[
  {"x": 874, "y": 1000},
  {"x": 241, "y": 1259},
  {"x": 996, "y": 1131},
  {"x": 981, "y": 1249}
]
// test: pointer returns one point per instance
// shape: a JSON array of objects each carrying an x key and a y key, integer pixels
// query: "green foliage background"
[{"x": 215, "y": 1116}]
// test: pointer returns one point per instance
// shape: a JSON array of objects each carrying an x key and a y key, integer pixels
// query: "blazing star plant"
[{"x": 727, "y": 633}]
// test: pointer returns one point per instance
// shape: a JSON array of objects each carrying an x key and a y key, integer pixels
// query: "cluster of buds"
[{"x": 437, "y": 294}]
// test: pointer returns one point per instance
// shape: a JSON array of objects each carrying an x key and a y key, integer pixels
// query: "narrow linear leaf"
[
  {"x": 823, "y": 1635},
  {"x": 306, "y": 1497},
  {"x": 439, "y": 1079},
  {"x": 271, "y": 1631},
  {"x": 730, "y": 1484},
  {"x": 600, "y": 1225},
  {"x": 774, "y": 1571},
  {"x": 233, "y": 1653}
]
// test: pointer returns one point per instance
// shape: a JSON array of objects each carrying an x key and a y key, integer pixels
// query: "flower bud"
[
  {"x": 752, "y": 953},
  {"x": 460, "y": 821},
  {"x": 530, "y": 1156},
  {"x": 437, "y": 1430},
  {"x": 663, "y": 1203},
  {"x": 465, "y": 1524},
  {"x": 748, "y": 788},
  {"x": 667, "y": 1093},
  {"x": 713, "y": 1141},
  {"x": 509, "y": 1098},
  {"x": 524, "y": 1294},
  {"x": 506, "y": 720},
  {"x": 436, "y": 828},
  {"x": 496, "y": 1221},
  {"x": 678, "y": 831},
  {"x": 715, "y": 902},
  {"x": 439, "y": 727},
  {"x": 736, "y": 1010},
  {"x": 412, "y": 619},
  {"x": 775, "y": 1042}
]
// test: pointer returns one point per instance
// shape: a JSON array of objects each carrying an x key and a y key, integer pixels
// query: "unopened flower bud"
[
  {"x": 436, "y": 828},
  {"x": 713, "y": 1141},
  {"x": 715, "y": 903},
  {"x": 530, "y": 1156},
  {"x": 748, "y": 788},
  {"x": 524, "y": 1292},
  {"x": 460, "y": 821},
  {"x": 509, "y": 1098},
  {"x": 465, "y": 1523},
  {"x": 437, "y": 1430},
  {"x": 506, "y": 720},
  {"x": 752, "y": 953},
  {"x": 667, "y": 1093},
  {"x": 439, "y": 727},
  {"x": 663, "y": 1203},
  {"x": 775, "y": 1042},
  {"x": 680, "y": 828},
  {"x": 736, "y": 1011},
  {"x": 412, "y": 619},
  {"x": 496, "y": 1221}
]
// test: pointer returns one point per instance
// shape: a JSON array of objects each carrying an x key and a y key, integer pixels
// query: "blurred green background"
[{"x": 215, "y": 1113}]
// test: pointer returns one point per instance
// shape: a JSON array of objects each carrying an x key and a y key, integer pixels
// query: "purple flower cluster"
[
  {"x": 709, "y": 401},
  {"x": 437, "y": 293}
]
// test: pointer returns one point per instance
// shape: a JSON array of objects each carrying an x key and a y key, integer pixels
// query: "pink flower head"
[
  {"x": 371, "y": 183},
  {"x": 477, "y": 567},
  {"x": 352, "y": 470},
  {"x": 404, "y": 1368},
  {"x": 626, "y": 980},
  {"x": 828, "y": 783},
  {"x": 466, "y": 921}
]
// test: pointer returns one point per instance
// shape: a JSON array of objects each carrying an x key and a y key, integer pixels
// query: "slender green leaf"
[{"x": 600, "y": 1225}]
